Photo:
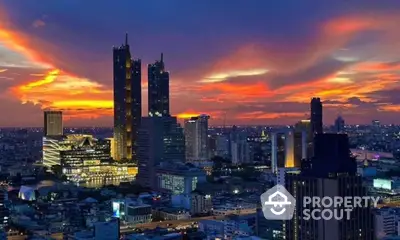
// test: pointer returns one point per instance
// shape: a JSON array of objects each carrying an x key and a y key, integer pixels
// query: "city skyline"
[{"x": 258, "y": 70}]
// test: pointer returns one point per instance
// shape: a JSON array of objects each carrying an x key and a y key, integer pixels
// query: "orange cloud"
[
  {"x": 389, "y": 108},
  {"x": 50, "y": 77},
  {"x": 263, "y": 115},
  {"x": 190, "y": 113},
  {"x": 55, "y": 89},
  {"x": 226, "y": 91},
  {"x": 187, "y": 115},
  {"x": 377, "y": 66}
]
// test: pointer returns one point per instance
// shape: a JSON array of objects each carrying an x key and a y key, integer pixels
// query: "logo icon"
[{"x": 278, "y": 204}]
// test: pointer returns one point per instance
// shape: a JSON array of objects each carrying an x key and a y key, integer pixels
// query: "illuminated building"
[
  {"x": 160, "y": 139},
  {"x": 178, "y": 178},
  {"x": 51, "y": 150},
  {"x": 53, "y": 123},
  {"x": 87, "y": 159},
  {"x": 130, "y": 211},
  {"x": 330, "y": 173},
  {"x": 84, "y": 152},
  {"x": 127, "y": 102},
  {"x": 316, "y": 116},
  {"x": 196, "y": 138},
  {"x": 27, "y": 193},
  {"x": 158, "y": 89},
  {"x": 386, "y": 186},
  {"x": 84, "y": 158},
  {"x": 289, "y": 147},
  {"x": 112, "y": 147}
]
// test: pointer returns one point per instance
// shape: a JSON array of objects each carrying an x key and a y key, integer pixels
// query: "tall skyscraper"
[
  {"x": 303, "y": 141},
  {"x": 196, "y": 138},
  {"x": 127, "y": 102},
  {"x": 160, "y": 139},
  {"x": 316, "y": 116},
  {"x": 330, "y": 173},
  {"x": 158, "y": 89},
  {"x": 53, "y": 123}
]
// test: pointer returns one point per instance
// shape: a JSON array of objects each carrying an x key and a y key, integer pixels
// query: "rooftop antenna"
[
  {"x": 126, "y": 38},
  {"x": 162, "y": 57}
]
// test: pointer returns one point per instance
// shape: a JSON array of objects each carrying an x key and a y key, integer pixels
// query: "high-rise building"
[
  {"x": 240, "y": 150},
  {"x": 160, "y": 139},
  {"x": 287, "y": 149},
  {"x": 303, "y": 127},
  {"x": 316, "y": 116},
  {"x": 222, "y": 145},
  {"x": 330, "y": 173},
  {"x": 196, "y": 138},
  {"x": 339, "y": 125},
  {"x": 158, "y": 89},
  {"x": 278, "y": 140},
  {"x": 53, "y": 123},
  {"x": 127, "y": 102}
]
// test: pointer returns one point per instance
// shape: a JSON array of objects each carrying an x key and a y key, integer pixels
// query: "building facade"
[
  {"x": 178, "y": 178},
  {"x": 158, "y": 89},
  {"x": 160, "y": 139},
  {"x": 332, "y": 172},
  {"x": 316, "y": 116},
  {"x": 288, "y": 147},
  {"x": 200, "y": 203},
  {"x": 127, "y": 102},
  {"x": 53, "y": 123},
  {"x": 196, "y": 138}
]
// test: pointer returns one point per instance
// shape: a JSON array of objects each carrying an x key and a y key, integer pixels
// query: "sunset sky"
[{"x": 253, "y": 61}]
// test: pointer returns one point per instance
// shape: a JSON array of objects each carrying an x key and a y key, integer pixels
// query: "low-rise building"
[
  {"x": 200, "y": 203},
  {"x": 178, "y": 178},
  {"x": 169, "y": 213}
]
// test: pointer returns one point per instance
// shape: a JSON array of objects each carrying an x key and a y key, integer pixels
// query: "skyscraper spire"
[
  {"x": 162, "y": 57},
  {"x": 126, "y": 38}
]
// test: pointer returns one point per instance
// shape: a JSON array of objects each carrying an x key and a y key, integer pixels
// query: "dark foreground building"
[{"x": 330, "y": 173}]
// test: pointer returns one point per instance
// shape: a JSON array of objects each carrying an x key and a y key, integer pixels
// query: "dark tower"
[
  {"x": 316, "y": 116},
  {"x": 158, "y": 89},
  {"x": 127, "y": 102},
  {"x": 332, "y": 172}
]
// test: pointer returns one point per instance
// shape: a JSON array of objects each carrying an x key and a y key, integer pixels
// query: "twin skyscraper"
[{"x": 128, "y": 98}]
